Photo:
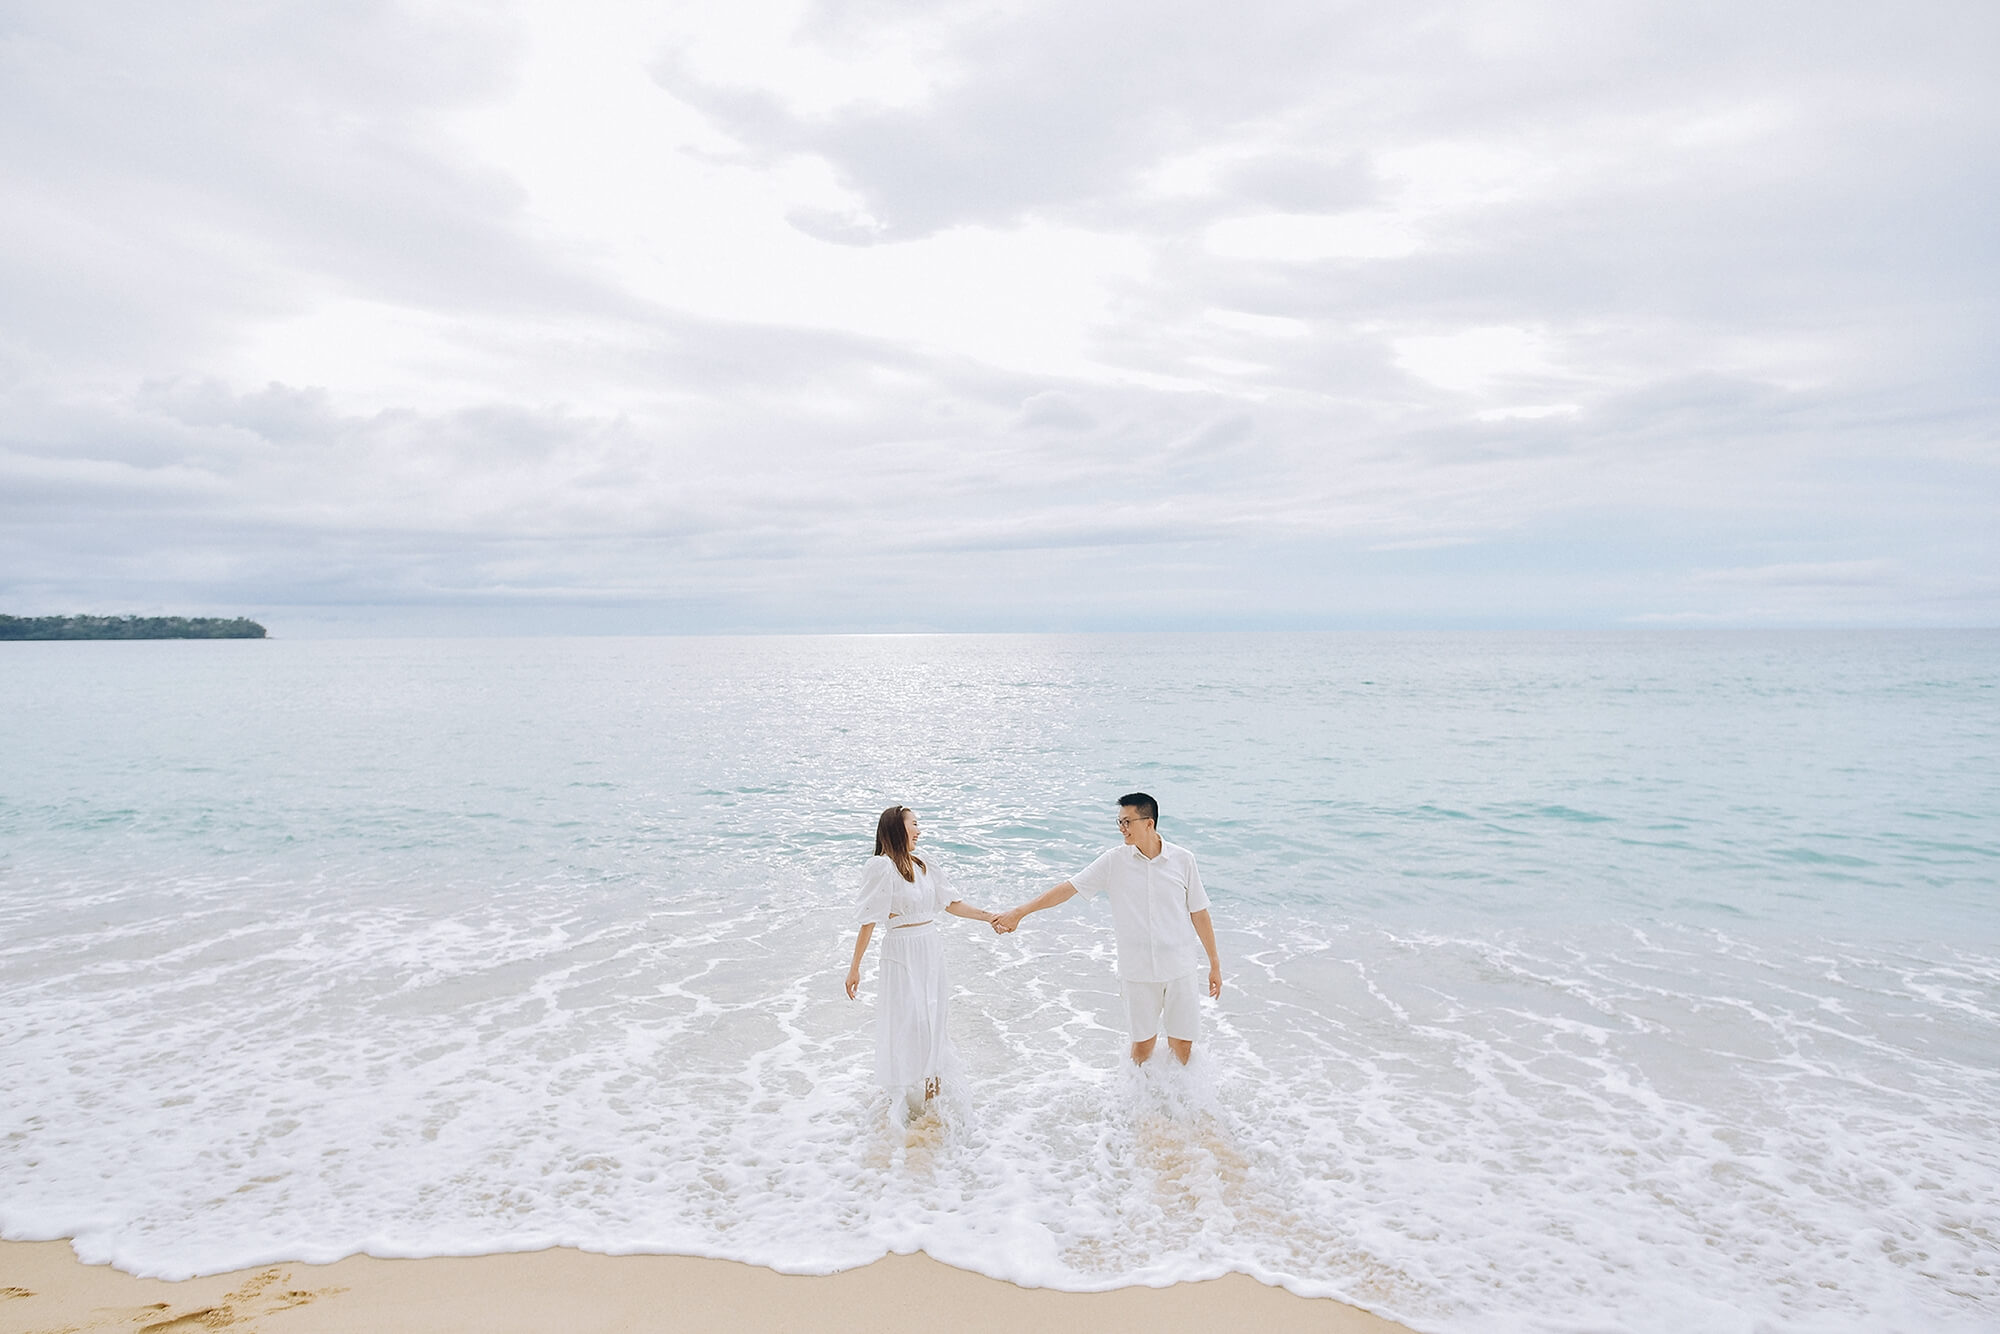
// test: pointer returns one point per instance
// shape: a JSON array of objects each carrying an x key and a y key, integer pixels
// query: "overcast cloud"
[{"x": 883, "y": 316}]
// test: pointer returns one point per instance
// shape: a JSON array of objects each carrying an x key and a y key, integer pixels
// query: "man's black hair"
[{"x": 1145, "y": 805}]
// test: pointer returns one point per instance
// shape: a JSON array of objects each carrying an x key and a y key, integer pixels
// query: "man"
[{"x": 1161, "y": 914}]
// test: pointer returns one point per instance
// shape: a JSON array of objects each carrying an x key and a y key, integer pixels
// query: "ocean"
[{"x": 1608, "y": 981}]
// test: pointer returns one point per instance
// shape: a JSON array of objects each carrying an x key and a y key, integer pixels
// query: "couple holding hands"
[{"x": 1157, "y": 907}]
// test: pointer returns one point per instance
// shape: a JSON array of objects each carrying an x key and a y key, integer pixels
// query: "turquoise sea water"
[{"x": 1620, "y": 981}]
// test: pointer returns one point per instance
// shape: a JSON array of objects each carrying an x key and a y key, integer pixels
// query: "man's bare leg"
[
  {"x": 1181, "y": 1047},
  {"x": 1142, "y": 1050}
]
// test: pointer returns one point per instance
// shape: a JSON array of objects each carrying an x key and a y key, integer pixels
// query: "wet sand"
[{"x": 44, "y": 1289}]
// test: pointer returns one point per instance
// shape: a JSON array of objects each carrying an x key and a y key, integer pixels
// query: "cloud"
[
  {"x": 836, "y": 228},
  {"x": 1052, "y": 106},
  {"x": 1054, "y": 409},
  {"x": 781, "y": 317},
  {"x": 1823, "y": 574}
]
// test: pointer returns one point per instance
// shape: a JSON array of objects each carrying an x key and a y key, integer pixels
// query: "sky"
[{"x": 688, "y": 318}]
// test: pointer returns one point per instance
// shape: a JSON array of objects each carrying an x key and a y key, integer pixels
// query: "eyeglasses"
[{"x": 1127, "y": 821}]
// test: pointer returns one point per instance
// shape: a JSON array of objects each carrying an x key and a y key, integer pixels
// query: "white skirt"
[{"x": 911, "y": 1046}]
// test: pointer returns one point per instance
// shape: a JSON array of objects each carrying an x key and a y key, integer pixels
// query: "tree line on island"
[{"x": 129, "y": 627}]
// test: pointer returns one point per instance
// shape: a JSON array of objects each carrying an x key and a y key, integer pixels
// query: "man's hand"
[
  {"x": 853, "y": 982},
  {"x": 1004, "y": 923},
  {"x": 1215, "y": 979}
]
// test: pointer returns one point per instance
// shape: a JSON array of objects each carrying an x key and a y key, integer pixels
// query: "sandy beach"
[{"x": 44, "y": 1289}]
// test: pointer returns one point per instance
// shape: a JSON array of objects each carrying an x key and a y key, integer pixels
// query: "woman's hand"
[{"x": 853, "y": 982}]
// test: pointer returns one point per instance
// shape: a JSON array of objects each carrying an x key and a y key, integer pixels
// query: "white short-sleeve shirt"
[
  {"x": 1151, "y": 899},
  {"x": 884, "y": 893}
]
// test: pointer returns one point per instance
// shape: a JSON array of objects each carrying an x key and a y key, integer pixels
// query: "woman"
[{"x": 903, "y": 895}]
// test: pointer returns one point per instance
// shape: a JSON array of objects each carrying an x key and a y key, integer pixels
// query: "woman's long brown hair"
[{"x": 892, "y": 840}]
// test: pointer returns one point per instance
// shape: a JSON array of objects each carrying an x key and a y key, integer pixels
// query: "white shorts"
[{"x": 1177, "y": 1001}]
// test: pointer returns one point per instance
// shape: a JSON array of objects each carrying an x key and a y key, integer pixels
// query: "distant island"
[{"x": 128, "y": 627}]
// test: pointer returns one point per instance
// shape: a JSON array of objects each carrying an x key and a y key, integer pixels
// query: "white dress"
[{"x": 911, "y": 1046}]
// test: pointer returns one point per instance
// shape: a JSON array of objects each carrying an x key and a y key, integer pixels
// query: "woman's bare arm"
[{"x": 860, "y": 948}]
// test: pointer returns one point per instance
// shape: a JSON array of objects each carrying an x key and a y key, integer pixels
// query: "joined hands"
[{"x": 1004, "y": 923}]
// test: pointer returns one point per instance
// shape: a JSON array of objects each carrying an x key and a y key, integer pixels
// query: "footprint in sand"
[
  {"x": 262, "y": 1294},
  {"x": 209, "y": 1317}
]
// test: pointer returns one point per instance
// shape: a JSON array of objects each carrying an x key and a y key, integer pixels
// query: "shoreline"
[{"x": 45, "y": 1288}]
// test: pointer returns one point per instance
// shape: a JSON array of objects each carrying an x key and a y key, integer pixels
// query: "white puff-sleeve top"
[{"x": 885, "y": 894}]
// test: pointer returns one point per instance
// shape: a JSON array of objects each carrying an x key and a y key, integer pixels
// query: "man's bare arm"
[
  {"x": 1206, "y": 930},
  {"x": 1010, "y": 919}
]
